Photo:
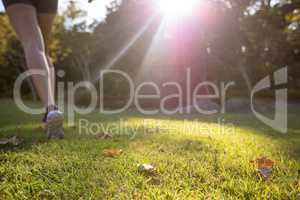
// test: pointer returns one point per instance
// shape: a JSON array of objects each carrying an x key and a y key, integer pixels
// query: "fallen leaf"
[
  {"x": 4, "y": 141},
  {"x": 264, "y": 166},
  {"x": 146, "y": 168},
  {"x": 112, "y": 152},
  {"x": 264, "y": 163},
  {"x": 13, "y": 140}
]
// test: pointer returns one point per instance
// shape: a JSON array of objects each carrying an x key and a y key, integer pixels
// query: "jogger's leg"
[
  {"x": 45, "y": 21},
  {"x": 23, "y": 18},
  {"x": 54, "y": 119}
]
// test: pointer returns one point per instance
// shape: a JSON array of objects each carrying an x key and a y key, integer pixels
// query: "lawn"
[{"x": 194, "y": 158}]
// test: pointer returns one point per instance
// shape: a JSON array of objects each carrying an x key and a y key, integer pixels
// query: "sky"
[{"x": 96, "y": 10}]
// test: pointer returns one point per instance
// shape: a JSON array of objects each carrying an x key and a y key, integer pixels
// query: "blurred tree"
[{"x": 239, "y": 40}]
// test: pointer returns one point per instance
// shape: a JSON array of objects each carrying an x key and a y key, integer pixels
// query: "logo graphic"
[{"x": 279, "y": 123}]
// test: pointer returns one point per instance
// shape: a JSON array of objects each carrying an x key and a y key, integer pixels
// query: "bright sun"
[{"x": 177, "y": 7}]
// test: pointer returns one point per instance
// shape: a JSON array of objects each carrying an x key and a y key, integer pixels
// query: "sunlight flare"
[{"x": 177, "y": 8}]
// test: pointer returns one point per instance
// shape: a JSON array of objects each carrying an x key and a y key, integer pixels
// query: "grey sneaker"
[{"x": 54, "y": 125}]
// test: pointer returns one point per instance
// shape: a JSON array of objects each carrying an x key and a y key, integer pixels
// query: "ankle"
[{"x": 51, "y": 108}]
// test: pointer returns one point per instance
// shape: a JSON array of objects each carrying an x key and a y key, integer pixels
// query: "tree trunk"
[{"x": 246, "y": 78}]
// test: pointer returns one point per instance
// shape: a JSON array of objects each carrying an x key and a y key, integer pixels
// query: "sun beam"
[{"x": 177, "y": 8}]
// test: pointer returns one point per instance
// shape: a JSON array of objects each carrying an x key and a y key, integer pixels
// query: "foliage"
[{"x": 226, "y": 40}]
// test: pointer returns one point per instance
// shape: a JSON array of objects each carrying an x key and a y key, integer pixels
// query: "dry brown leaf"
[
  {"x": 264, "y": 162},
  {"x": 112, "y": 152},
  {"x": 264, "y": 166}
]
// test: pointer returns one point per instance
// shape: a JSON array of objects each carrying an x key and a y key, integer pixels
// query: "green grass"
[{"x": 194, "y": 160}]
